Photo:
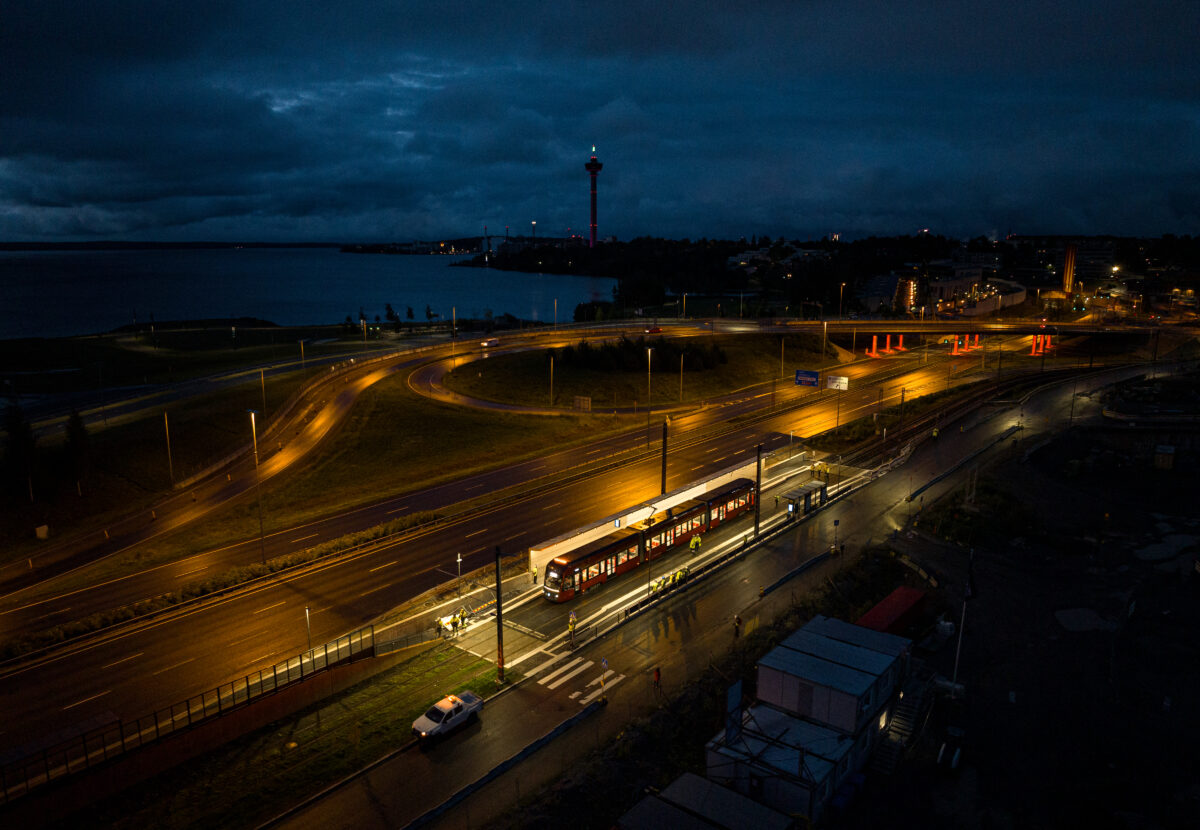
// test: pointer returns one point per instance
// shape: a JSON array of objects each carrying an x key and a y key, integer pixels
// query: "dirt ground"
[{"x": 1080, "y": 658}]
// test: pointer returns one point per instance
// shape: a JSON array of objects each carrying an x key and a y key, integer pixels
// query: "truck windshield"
[{"x": 435, "y": 715}]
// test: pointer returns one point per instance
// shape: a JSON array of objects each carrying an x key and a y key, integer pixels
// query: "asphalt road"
[
  {"x": 168, "y": 660},
  {"x": 678, "y": 636}
]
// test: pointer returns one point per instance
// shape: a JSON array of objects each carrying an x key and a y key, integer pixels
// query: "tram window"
[{"x": 593, "y": 571}]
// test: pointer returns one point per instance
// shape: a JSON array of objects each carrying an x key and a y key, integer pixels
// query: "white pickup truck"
[{"x": 447, "y": 714}]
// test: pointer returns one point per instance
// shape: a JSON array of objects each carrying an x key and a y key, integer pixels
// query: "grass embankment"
[
  {"x": 124, "y": 465},
  {"x": 393, "y": 442},
  {"x": 205, "y": 587},
  {"x": 713, "y": 365},
  {"x": 260, "y": 775}
]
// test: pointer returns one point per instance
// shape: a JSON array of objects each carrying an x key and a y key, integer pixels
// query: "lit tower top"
[{"x": 593, "y": 167}]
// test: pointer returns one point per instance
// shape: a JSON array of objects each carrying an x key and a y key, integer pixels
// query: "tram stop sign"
[{"x": 604, "y": 663}]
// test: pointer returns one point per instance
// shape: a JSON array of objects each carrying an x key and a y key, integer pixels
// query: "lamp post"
[
  {"x": 840, "y": 290},
  {"x": 308, "y": 628},
  {"x": 649, "y": 351},
  {"x": 262, "y": 549},
  {"x": 681, "y": 377}
]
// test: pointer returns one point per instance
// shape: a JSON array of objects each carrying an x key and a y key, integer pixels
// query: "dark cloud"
[{"x": 306, "y": 120}]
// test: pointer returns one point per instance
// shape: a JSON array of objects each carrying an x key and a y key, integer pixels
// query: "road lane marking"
[
  {"x": 397, "y": 510},
  {"x": 585, "y": 701},
  {"x": 381, "y": 567},
  {"x": 177, "y": 665},
  {"x": 475, "y": 487},
  {"x": 700, "y": 467},
  {"x": 552, "y": 506},
  {"x": 303, "y": 538},
  {"x": 561, "y": 669},
  {"x": 85, "y": 700},
  {"x": 476, "y": 533},
  {"x": 122, "y": 660},
  {"x": 517, "y": 536},
  {"x": 269, "y": 607},
  {"x": 65, "y": 610},
  {"x": 257, "y": 661},
  {"x": 569, "y": 675},
  {"x": 378, "y": 588},
  {"x": 600, "y": 677},
  {"x": 189, "y": 573}
]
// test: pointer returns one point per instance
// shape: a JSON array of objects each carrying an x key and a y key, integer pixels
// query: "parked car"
[{"x": 446, "y": 715}]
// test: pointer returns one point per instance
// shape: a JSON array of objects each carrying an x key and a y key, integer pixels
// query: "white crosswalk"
[{"x": 602, "y": 682}]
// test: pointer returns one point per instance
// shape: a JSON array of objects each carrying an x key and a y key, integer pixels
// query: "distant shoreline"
[{"x": 124, "y": 245}]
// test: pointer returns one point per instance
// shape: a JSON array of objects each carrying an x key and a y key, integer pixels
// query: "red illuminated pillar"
[
  {"x": 977, "y": 341},
  {"x": 874, "y": 346},
  {"x": 887, "y": 344},
  {"x": 954, "y": 351},
  {"x": 900, "y": 347}
]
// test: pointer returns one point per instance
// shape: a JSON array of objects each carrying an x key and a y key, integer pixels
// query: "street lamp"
[
  {"x": 840, "y": 290},
  {"x": 262, "y": 549},
  {"x": 649, "y": 350}
]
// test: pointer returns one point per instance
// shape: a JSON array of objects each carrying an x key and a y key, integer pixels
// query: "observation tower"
[{"x": 593, "y": 168}]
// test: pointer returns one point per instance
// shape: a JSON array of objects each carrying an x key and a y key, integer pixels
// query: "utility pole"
[
  {"x": 499, "y": 622},
  {"x": 758, "y": 491},
  {"x": 664, "y": 458},
  {"x": 170, "y": 465}
]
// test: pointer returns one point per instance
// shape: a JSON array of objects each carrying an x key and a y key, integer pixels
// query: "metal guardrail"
[{"x": 96, "y": 746}]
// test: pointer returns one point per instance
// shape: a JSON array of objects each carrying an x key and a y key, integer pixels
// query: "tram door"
[{"x": 608, "y": 566}]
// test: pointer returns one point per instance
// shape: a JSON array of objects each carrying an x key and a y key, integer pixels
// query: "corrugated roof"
[
  {"x": 857, "y": 635},
  {"x": 819, "y": 671},
  {"x": 840, "y": 652}
]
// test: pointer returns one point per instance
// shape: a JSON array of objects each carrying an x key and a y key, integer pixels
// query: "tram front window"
[{"x": 553, "y": 579}]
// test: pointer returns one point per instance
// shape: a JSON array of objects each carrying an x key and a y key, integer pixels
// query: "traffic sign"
[
  {"x": 805, "y": 378},
  {"x": 837, "y": 382},
  {"x": 604, "y": 663}
]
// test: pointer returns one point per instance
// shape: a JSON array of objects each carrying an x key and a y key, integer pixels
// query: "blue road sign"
[{"x": 805, "y": 378}]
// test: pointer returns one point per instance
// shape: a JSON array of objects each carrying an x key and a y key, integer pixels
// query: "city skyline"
[{"x": 370, "y": 122}]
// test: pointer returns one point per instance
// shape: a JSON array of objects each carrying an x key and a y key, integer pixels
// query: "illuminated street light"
[
  {"x": 840, "y": 290},
  {"x": 262, "y": 549}
]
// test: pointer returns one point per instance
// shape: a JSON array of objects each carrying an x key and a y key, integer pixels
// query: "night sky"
[{"x": 380, "y": 121}]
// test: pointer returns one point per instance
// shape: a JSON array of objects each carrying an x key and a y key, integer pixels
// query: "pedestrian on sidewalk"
[
  {"x": 657, "y": 680},
  {"x": 737, "y": 625},
  {"x": 535, "y": 574}
]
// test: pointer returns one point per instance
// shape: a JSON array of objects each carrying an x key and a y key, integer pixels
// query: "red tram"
[{"x": 601, "y": 560}]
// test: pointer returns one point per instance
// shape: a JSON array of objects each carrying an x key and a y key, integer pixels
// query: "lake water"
[{"x": 64, "y": 293}]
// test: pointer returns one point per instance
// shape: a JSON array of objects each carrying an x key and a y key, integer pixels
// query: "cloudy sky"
[{"x": 386, "y": 120}]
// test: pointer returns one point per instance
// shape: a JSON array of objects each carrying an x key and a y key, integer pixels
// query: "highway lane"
[
  {"x": 195, "y": 651},
  {"x": 23, "y": 615},
  {"x": 679, "y": 637}
]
